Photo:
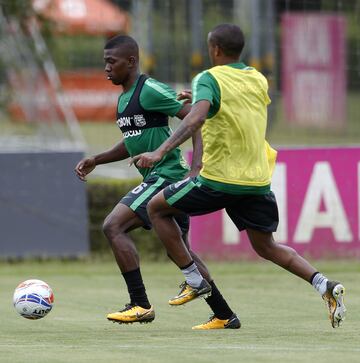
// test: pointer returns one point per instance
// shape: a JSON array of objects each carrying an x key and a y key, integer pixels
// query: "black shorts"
[
  {"x": 257, "y": 212},
  {"x": 138, "y": 198}
]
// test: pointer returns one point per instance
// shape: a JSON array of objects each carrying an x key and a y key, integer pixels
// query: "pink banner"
[
  {"x": 318, "y": 195},
  {"x": 313, "y": 69}
]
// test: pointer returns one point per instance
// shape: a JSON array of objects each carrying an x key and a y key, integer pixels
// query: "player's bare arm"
[
  {"x": 87, "y": 165},
  {"x": 191, "y": 123},
  {"x": 196, "y": 163},
  {"x": 184, "y": 111}
]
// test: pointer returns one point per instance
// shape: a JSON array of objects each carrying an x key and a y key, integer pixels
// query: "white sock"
[
  {"x": 319, "y": 282},
  {"x": 192, "y": 275}
]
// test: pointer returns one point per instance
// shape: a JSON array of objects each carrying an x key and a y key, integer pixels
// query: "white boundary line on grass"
[{"x": 207, "y": 347}]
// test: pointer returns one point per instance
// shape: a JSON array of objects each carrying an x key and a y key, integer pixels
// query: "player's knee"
[
  {"x": 107, "y": 227},
  {"x": 150, "y": 209},
  {"x": 111, "y": 228},
  {"x": 265, "y": 250},
  {"x": 153, "y": 208}
]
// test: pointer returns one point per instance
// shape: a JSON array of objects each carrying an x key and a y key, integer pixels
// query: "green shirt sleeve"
[
  {"x": 159, "y": 97},
  {"x": 205, "y": 87}
]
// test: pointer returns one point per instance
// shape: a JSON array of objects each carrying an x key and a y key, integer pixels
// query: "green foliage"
[
  {"x": 20, "y": 9},
  {"x": 103, "y": 195},
  {"x": 353, "y": 59},
  {"x": 80, "y": 51}
]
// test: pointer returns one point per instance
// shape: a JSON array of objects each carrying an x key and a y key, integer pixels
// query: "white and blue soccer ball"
[{"x": 33, "y": 299}]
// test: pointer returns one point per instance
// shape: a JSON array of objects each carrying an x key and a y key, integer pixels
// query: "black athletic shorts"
[
  {"x": 257, "y": 212},
  {"x": 138, "y": 198}
]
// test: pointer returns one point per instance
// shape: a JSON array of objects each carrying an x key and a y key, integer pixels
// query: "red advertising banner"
[
  {"x": 313, "y": 69},
  {"x": 318, "y": 195}
]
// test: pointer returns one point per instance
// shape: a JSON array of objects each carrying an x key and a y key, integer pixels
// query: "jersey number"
[{"x": 139, "y": 188}]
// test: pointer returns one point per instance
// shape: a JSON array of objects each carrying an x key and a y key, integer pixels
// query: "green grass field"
[{"x": 283, "y": 319}]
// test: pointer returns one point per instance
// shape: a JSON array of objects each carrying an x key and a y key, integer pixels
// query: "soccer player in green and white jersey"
[
  {"x": 142, "y": 115},
  {"x": 230, "y": 106}
]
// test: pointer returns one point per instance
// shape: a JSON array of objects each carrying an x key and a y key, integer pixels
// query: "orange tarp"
[
  {"x": 84, "y": 16},
  {"x": 91, "y": 96}
]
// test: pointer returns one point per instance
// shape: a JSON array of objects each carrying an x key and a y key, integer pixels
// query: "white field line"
[{"x": 204, "y": 347}]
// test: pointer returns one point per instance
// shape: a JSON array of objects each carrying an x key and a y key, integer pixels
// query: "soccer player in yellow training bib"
[{"x": 230, "y": 106}]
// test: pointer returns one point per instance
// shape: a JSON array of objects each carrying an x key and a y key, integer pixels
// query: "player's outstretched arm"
[
  {"x": 196, "y": 162},
  {"x": 184, "y": 111},
  {"x": 87, "y": 165},
  {"x": 191, "y": 123}
]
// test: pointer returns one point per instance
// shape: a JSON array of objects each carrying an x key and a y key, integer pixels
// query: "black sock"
[
  {"x": 312, "y": 276},
  {"x": 136, "y": 288},
  {"x": 186, "y": 266},
  {"x": 218, "y": 304}
]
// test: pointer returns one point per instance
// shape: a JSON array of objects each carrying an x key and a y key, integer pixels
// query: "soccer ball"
[{"x": 33, "y": 299}]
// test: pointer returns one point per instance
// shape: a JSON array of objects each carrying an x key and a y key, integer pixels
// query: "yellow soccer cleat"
[
  {"x": 132, "y": 314},
  {"x": 214, "y": 323},
  {"x": 189, "y": 293},
  {"x": 334, "y": 299}
]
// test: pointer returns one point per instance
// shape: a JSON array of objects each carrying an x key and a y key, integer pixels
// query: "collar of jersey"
[
  {"x": 239, "y": 65},
  {"x": 128, "y": 93},
  {"x": 132, "y": 88}
]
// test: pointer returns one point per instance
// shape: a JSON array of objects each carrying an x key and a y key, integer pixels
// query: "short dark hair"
[
  {"x": 123, "y": 41},
  {"x": 229, "y": 38}
]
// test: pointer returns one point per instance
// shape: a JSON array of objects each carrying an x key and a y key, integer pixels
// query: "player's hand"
[
  {"x": 84, "y": 167},
  {"x": 193, "y": 173},
  {"x": 146, "y": 160},
  {"x": 185, "y": 95}
]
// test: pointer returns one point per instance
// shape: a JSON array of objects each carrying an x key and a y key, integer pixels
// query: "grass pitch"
[{"x": 283, "y": 318}]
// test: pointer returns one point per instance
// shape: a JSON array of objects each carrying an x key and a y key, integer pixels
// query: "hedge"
[{"x": 103, "y": 195}]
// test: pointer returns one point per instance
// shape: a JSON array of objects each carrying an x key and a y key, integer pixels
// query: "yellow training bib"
[{"x": 235, "y": 149}]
